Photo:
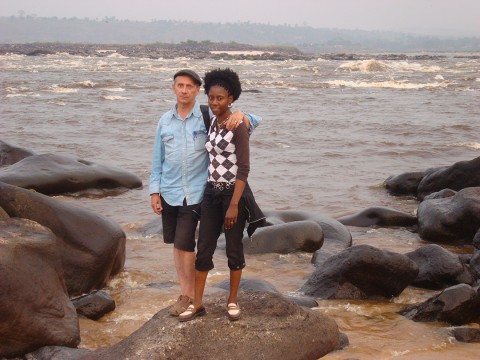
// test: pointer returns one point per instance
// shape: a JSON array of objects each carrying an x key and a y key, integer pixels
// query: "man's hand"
[
  {"x": 236, "y": 119},
  {"x": 156, "y": 204}
]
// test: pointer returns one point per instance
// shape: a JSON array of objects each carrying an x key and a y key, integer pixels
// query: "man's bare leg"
[{"x": 185, "y": 267}]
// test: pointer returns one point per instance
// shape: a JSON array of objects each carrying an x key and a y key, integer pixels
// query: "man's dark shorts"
[{"x": 179, "y": 225}]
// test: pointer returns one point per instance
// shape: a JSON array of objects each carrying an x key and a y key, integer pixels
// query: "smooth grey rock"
[
  {"x": 285, "y": 238},
  {"x": 270, "y": 328},
  {"x": 379, "y": 216},
  {"x": 54, "y": 174}
]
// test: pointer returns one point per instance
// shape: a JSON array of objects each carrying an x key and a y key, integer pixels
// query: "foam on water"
[
  {"x": 115, "y": 98},
  {"x": 404, "y": 84},
  {"x": 328, "y": 140},
  {"x": 61, "y": 90},
  {"x": 471, "y": 145}
]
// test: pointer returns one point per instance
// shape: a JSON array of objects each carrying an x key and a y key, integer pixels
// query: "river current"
[{"x": 332, "y": 132}]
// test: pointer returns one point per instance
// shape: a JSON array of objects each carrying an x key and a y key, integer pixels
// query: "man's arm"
[
  {"x": 156, "y": 173},
  {"x": 254, "y": 121},
  {"x": 250, "y": 120}
]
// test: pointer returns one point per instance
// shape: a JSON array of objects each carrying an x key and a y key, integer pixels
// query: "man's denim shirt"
[{"x": 180, "y": 160}]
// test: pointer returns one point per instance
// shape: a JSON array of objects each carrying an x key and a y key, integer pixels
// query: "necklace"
[{"x": 220, "y": 123}]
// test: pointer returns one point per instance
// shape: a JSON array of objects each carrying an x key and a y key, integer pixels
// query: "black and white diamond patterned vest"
[{"x": 221, "y": 150}]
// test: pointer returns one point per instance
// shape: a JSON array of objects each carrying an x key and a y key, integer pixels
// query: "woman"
[{"x": 223, "y": 203}]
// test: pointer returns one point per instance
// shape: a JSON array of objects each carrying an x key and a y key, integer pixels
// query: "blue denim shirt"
[{"x": 180, "y": 160}]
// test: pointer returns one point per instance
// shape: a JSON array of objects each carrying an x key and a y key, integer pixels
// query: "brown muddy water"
[{"x": 332, "y": 132}]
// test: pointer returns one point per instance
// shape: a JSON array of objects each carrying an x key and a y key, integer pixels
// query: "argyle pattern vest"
[{"x": 223, "y": 160}]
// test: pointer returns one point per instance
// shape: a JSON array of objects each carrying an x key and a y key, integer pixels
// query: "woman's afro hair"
[{"x": 226, "y": 78}]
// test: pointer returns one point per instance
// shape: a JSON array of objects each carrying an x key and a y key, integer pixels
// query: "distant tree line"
[{"x": 109, "y": 30}]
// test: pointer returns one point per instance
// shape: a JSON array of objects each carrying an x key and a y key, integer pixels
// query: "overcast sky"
[{"x": 436, "y": 17}]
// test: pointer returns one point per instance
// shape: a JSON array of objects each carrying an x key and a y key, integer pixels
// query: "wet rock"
[
  {"x": 344, "y": 342},
  {"x": 270, "y": 328},
  {"x": 466, "y": 334},
  {"x": 454, "y": 219},
  {"x": 285, "y": 238},
  {"x": 456, "y": 305},
  {"x": 336, "y": 236},
  {"x": 258, "y": 285},
  {"x": 10, "y": 154},
  {"x": 35, "y": 309},
  {"x": 404, "y": 184},
  {"x": 3, "y": 214},
  {"x": 361, "y": 272},
  {"x": 92, "y": 246},
  {"x": 379, "y": 216},
  {"x": 53, "y": 174},
  {"x": 288, "y": 231},
  {"x": 94, "y": 305},
  {"x": 56, "y": 353},
  {"x": 460, "y": 175},
  {"x": 442, "y": 194},
  {"x": 474, "y": 264},
  {"x": 476, "y": 240},
  {"x": 439, "y": 268}
]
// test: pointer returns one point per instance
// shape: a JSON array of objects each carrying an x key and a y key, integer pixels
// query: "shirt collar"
[{"x": 195, "y": 111}]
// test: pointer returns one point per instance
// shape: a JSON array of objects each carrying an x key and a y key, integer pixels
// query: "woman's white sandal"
[
  {"x": 233, "y": 311},
  {"x": 191, "y": 313}
]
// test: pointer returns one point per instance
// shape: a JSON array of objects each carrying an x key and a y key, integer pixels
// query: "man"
[{"x": 179, "y": 176}]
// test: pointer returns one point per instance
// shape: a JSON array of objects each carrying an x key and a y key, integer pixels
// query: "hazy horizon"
[{"x": 425, "y": 17}]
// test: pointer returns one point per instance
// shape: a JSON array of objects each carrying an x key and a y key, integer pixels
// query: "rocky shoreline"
[
  {"x": 197, "y": 50},
  {"x": 74, "y": 251}
]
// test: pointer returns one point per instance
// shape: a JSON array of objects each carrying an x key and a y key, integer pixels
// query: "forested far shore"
[{"x": 309, "y": 40}]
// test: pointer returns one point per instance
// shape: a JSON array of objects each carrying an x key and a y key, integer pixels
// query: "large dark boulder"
[
  {"x": 439, "y": 268},
  {"x": 460, "y": 175},
  {"x": 454, "y": 219},
  {"x": 361, "y": 272},
  {"x": 35, "y": 309},
  {"x": 404, "y": 184},
  {"x": 59, "y": 174},
  {"x": 10, "y": 154},
  {"x": 270, "y": 328},
  {"x": 379, "y": 216},
  {"x": 456, "y": 305},
  {"x": 92, "y": 247},
  {"x": 285, "y": 238}
]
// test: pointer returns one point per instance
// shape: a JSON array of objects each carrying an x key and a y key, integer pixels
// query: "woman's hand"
[{"x": 231, "y": 216}]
